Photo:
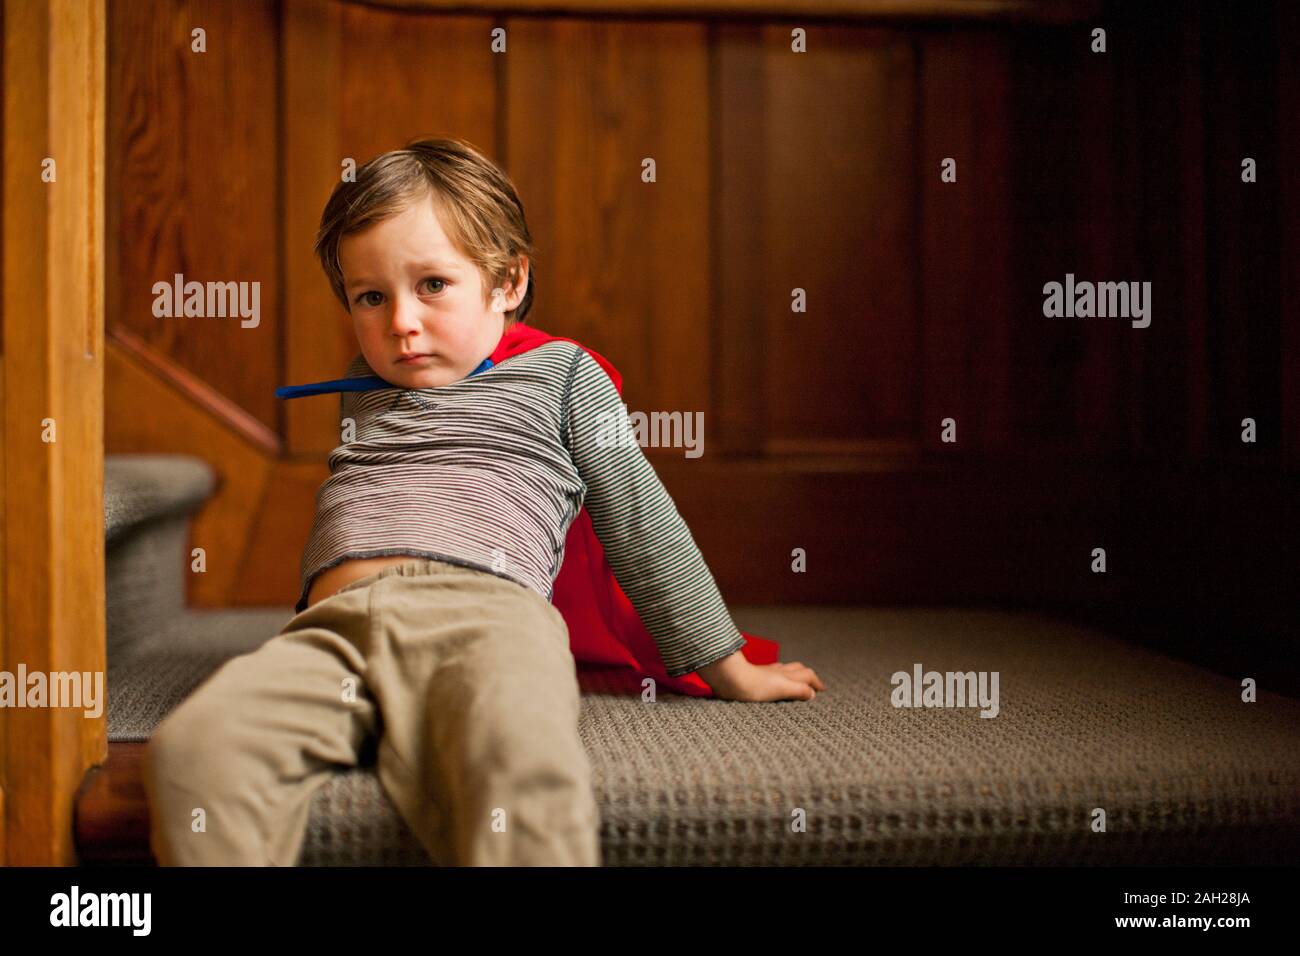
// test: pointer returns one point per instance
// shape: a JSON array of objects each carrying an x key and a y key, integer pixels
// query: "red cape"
[{"x": 605, "y": 632}]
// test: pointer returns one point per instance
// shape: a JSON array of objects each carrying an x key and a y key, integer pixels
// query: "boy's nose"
[{"x": 403, "y": 320}]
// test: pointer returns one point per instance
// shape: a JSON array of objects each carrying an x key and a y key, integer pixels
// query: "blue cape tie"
[{"x": 364, "y": 383}]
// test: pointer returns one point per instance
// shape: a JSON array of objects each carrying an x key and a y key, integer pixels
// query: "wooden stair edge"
[{"x": 110, "y": 813}]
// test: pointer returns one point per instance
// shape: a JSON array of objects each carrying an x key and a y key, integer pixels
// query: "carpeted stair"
[{"x": 1184, "y": 770}]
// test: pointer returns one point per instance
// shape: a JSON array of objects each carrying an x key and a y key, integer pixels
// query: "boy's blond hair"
[{"x": 475, "y": 201}]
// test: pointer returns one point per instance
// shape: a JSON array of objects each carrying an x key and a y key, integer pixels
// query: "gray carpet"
[
  {"x": 143, "y": 488},
  {"x": 148, "y": 500},
  {"x": 1184, "y": 770}
]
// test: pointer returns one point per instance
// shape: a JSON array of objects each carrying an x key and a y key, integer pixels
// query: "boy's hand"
[{"x": 734, "y": 678}]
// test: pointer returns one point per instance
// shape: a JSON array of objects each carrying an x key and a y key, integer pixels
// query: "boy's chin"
[{"x": 424, "y": 380}]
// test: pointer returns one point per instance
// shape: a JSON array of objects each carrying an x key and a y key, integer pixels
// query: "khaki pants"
[{"x": 467, "y": 679}]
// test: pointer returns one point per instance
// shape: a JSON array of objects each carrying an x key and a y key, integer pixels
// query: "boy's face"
[{"x": 411, "y": 292}]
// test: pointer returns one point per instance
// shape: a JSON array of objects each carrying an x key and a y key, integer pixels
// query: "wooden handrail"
[{"x": 186, "y": 383}]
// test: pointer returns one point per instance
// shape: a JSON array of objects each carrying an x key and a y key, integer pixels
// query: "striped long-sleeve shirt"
[{"x": 490, "y": 471}]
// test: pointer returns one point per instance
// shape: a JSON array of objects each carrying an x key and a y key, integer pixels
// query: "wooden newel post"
[{"x": 51, "y": 444}]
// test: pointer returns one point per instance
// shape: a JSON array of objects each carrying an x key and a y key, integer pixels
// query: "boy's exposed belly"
[{"x": 341, "y": 575}]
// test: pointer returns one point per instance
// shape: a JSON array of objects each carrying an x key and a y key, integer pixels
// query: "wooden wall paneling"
[
  {"x": 1043, "y": 210},
  {"x": 675, "y": 132},
  {"x": 626, "y": 264},
  {"x": 1162, "y": 105},
  {"x": 1288, "y": 148},
  {"x": 817, "y": 159},
  {"x": 840, "y": 213},
  {"x": 1142, "y": 201},
  {"x": 1226, "y": 389},
  {"x": 150, "y": 416},
  {"x": 196, "y": 184},
  {"x": 739, "y": 311},
  {"x": 53, "y": 318},
  {"x": 1159, "y": 107},
  {"x": 1100, "y": 184},
  {"x": 407, "y": 76},
  {"x": 317, "y": 342},
  {"x": 965, "y": 266},
  {"x": 556, "y": 120},
  {"x": 1011, "y": 532},
  {"x": 1194, "y": 401},
  {"x": 278, "y": 529},
  {"x": 1262, "y": 72},
  {"x": 1244, "y": 273},
  {"x": 1027, "y": 11},
  {"x": 748, "y": 514},
  {"x": 1153, "y": 359}
]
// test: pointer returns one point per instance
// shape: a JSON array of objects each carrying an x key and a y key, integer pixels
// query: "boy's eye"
[{"x": 363, "y": 295}]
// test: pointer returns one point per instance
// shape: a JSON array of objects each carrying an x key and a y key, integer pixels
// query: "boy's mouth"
[{"x": 413, "y": 358}]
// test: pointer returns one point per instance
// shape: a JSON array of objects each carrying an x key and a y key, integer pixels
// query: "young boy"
[{"x": 424, "y": 612}]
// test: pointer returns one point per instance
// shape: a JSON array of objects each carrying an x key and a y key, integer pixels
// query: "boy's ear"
[
  {"x": 521, "y": 279},
  {"x": 513, "y": 288}
]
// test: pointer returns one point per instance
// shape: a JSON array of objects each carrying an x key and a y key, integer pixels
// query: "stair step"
[
  {"x": 139, "y": 489},
  {"x": 150, "y": 677},
  {"x": 110, "y": 813},
  {"x": 148, "y": 501},
  {"x": 1188, "y": 775}
]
